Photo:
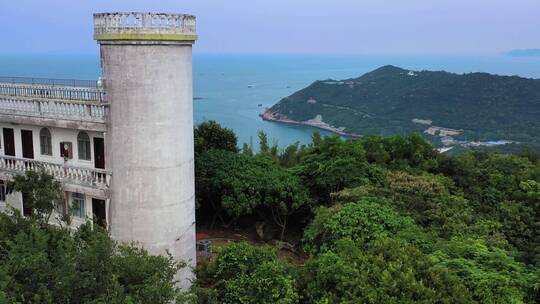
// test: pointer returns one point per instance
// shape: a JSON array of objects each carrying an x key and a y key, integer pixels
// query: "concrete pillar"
[{"x": 147, "y": 76}]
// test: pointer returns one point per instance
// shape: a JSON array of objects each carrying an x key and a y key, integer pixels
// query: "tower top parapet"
[{"x": 144, "y": 27}]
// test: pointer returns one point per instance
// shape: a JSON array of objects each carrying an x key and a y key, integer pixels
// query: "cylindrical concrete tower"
[{"x": 147, "y": 75}]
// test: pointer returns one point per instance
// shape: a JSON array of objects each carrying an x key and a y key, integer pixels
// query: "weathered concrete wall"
[
  {"x": 14, "y": 200},
  {"x": 150, "y": 146}
]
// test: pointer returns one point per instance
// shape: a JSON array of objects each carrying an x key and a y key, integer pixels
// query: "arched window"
[
  {"x": 45, "y": 141},
  {"x": 83, "y": 142}
]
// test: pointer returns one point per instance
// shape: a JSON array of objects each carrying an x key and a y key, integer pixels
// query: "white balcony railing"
[
  {"x": 144, "y": 23},
  {"x": 54, "y": 109},
  {"x": 83, "y": 94},
  {"x": 94, "y": 178},
  {"x": 57, "y": 82},
  {"x": 80, "y": 100}
]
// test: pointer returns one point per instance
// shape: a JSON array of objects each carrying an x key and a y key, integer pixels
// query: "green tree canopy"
[
  {"x": 41, "y": 263},
  {"x": 385, "y": 271},
  {"x": 41, "y": 191},
  {"x": 399, "y": 152},
  {"x": 248, "y": 274},
  {"x": 210, "y": 135},
  {"x": 491, "y": 274},
  {"x": 331, "y": 165},
  {"x": 366, "y": 220},
  {"x": 243, "y": 185}
]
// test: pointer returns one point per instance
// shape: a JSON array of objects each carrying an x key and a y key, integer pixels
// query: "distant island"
[
  {"x": 475, "y": 109},
  {"x": 524, "y": 53}
]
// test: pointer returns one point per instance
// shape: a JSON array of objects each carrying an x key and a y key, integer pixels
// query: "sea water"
[{"x": 234, "y": 89}]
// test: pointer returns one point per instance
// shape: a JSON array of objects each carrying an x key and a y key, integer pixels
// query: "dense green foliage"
[
  {"x": 231, "y": 185},
  {"x": 365, "y": 221},
  {"x": 386, "y": 271},
  {"x": 384, "y": 101},
  {"x": 210, "y": 135},
  {"x": 491, "y": 274},
  {"x": 249, "y": 275},
  {"x": 42, "y": 263},
  {"x": 389, "y": 220},
  {"x": 371, "y": 220},
  {"x": 42, "y": 193}
]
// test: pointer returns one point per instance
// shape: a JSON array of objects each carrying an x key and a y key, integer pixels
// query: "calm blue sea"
[{"x": 232, "y": 86}]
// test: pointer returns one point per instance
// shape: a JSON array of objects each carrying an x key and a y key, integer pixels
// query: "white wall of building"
[
  {"x": 14, "y": 201},
  {"x": 58, "y": 135}
]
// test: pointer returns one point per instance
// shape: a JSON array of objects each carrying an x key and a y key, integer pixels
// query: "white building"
[
  {"x": 59, "y": 125},
  {"x": 121, "y": 147}
]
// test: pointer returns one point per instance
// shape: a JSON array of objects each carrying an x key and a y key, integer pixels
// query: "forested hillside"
[
  {"x": 369, "y": 220},
  {"x": 385, "y": 102},
  {"x": 373, "y": 220}
]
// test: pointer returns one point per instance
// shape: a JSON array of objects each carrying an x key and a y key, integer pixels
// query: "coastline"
[{"x": 268, "y": 115}]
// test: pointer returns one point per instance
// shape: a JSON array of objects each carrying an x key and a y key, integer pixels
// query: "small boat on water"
[
  {"x": 250, "y": 86},
  {"x": 260, "y": 105}
]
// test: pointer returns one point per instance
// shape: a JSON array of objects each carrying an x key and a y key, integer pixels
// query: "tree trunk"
[{"x": 283, "y": 227}]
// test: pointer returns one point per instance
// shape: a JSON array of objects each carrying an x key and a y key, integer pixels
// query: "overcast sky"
[{"x": 291, "y": 26}]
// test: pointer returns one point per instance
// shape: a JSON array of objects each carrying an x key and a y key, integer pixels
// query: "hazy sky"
[{"x": 291, "y": 26}]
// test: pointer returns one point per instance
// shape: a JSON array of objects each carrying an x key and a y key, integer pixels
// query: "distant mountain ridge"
[
  {"x": 524, "y": 53},
  {"x": 392, "y": 100}
]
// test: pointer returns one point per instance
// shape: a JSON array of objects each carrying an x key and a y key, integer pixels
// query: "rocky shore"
[{"x": 268, "y": 115}]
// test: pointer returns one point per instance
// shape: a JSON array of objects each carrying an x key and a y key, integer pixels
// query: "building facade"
[
  {"x": 60, "y": 126},
  {"x": 122, "y": 147}
]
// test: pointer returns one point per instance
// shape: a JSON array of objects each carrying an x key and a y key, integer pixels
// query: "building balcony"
[
  {"x": 77, "y": 104},
  {"x": 73, "y": 179}
]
